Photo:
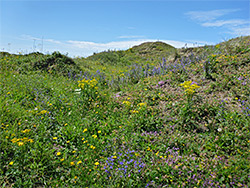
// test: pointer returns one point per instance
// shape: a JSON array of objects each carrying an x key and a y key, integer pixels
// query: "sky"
[{"x": 83, "y": 27}]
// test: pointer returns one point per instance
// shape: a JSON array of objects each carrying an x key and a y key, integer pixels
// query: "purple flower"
[
  {"x": 161, "y": 83},
  {"x": 240, "y": 78}
]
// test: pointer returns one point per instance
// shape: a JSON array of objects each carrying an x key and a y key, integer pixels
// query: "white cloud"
[
  {"x": 242, "y": 31},
  {"x": 219, "y": 23},
  {"x": 202, "y": 16},
  {"x": 236, "y": 27},
  {"x": 121, "y": 45},
  {"x": 29, "y": 37},
  {"x": 118, "y": 45},
  {"x": 86, "y": 48}
]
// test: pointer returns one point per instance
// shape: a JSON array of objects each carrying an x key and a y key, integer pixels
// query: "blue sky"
[{"x": 82, "y": 27}]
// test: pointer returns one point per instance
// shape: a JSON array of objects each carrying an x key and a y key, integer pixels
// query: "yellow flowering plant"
[
  {"x": 190, "y": 88},
  {"x": 88, "y": 89}
]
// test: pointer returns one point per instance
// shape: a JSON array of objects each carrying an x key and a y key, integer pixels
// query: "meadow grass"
[{"x": 170, "y": 123}]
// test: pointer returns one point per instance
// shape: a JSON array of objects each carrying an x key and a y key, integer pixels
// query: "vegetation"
[{"x": 129, "y": 118}]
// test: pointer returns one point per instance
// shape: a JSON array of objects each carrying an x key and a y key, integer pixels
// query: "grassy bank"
[{"x": 127, "y": 118}]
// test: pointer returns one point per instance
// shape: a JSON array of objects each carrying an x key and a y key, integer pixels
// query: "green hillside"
[{"x": 149, "y": 116}]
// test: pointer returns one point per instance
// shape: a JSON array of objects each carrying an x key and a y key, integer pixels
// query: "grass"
[{"x": 130, "y": 121}]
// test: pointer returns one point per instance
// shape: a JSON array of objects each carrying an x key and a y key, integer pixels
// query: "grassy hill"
[{"x": 149, "y": 116}]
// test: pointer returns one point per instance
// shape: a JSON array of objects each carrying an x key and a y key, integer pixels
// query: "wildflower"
[
  {"x": 99, "y": 132},
  {"x": 72, "y": 163},
  {"x": 14, "y": 140},
  {"x": 79, "y": 162},
  {"x": 43, "y": 112},
  {"x": 58, "y": 153},
  {"x": 11, "y": 163},
  {"x": 26, "y": 131},
  {"x": 62, "y": 159},
  {"x": 20, "y": 143},
  {"x": 94, "y": 136},
  {"x": 219, "y": 129},
  {"x": 141, "y": 104},
  {"x": 96, "y": 163},
  {"x": 190, "y": 88},
  {"x": 85, "y": 130},
  {"x": 114, "y": 157},
  {"x": 54, "y": 138},
  {"x": 135, "y": 111},
  {"x": 127, "y": 103}
]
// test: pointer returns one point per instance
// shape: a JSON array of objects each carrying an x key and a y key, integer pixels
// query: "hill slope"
[{"x": 182, "y": 122}]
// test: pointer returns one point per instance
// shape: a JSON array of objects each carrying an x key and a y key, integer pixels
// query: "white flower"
[
  {"x": 78, "y": 91},
  {"x": 219, "y": 130}
]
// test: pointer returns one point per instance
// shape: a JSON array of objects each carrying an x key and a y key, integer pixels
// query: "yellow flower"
[
  {"x": 126, "y": 103},
  {"x": 43, "y": 112},
  {"x": 72, "y": 163},
  {"x": 54, "y": 138},
  {"x": 26, "y": 131},
  {"x": 20, "y": 143},
  {"x": 141, "y": 104},
  {"x": 62, "y": 159},
  {"x": 135, "y": 111},
  {"x": 14, "y": 140},
  {"x": 99, "y": 131},
  {"x": 58, "y": 153},
  {"x": 79, "y": 162},
  {"x": 11, "y": 163},
  {"x": 85, "y": 130},
  {"x": 114, "y": 157},
  {"x": 94, "y": 136},
  {"x": 97, "y": 163}
]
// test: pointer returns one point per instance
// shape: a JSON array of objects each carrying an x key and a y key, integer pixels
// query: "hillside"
[{"x": 149, "y": 116}]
